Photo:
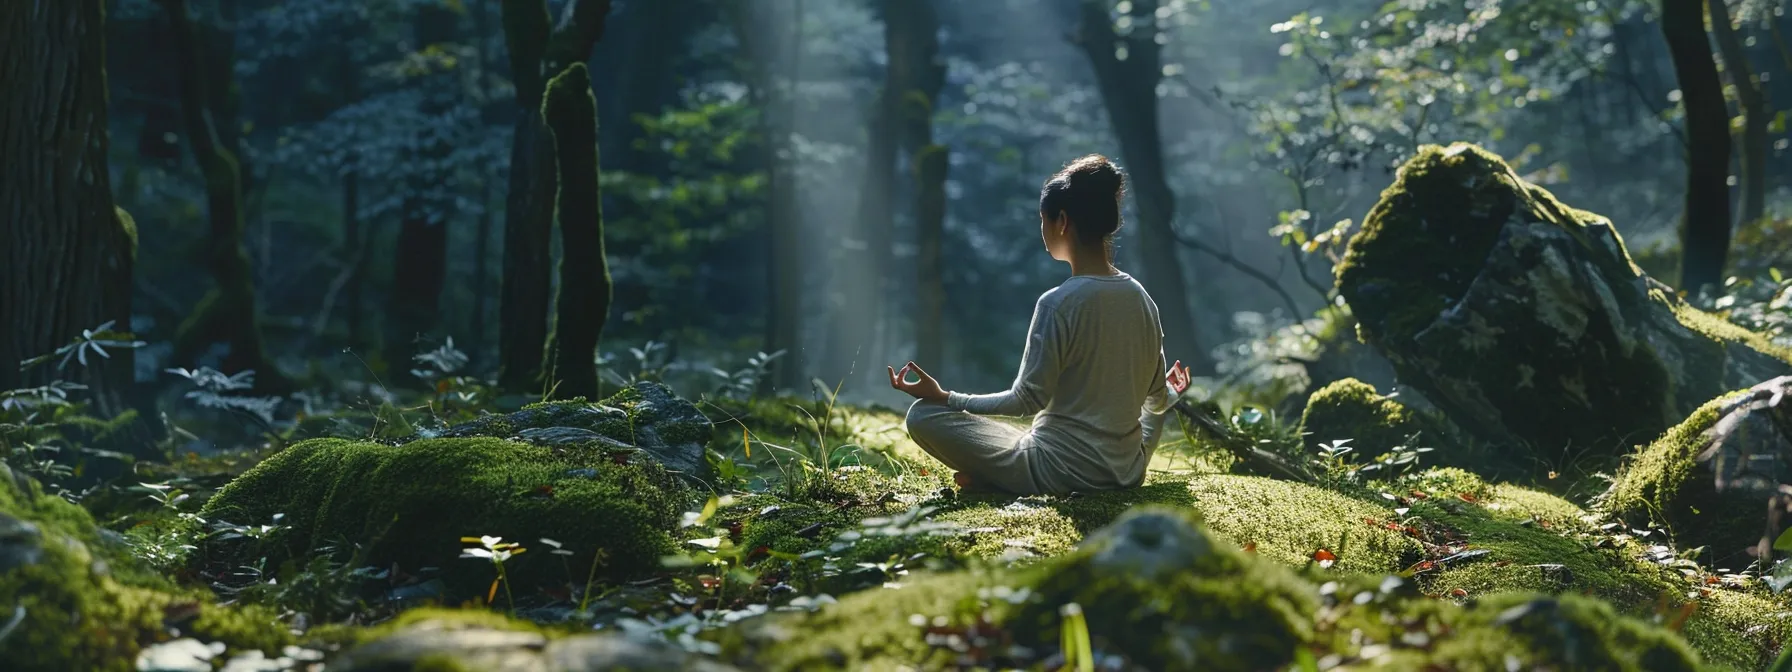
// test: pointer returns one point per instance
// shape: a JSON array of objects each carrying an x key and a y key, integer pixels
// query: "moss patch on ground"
[
  {"x": 1351, "y": 410},
  {"x": 81, "y": 601},
  {"x": 411, "y": 504}
]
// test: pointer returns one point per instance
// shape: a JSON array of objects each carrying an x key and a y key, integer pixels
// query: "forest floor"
[{"x": 821, "y": 537}]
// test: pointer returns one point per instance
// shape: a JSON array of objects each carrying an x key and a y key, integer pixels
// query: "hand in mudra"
[
  {"x": 926, "y": 388},
  {"x": 1177, "y": 378}
]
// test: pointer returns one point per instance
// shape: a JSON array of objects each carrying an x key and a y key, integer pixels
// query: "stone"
[
  {"x": 21, "y": 544},
  {"x": 1524, "y": 320},
  {"x": 483, "y": 647},
  {"x": 1148, "y": 543},
  {"x": 646, "y": 416}
]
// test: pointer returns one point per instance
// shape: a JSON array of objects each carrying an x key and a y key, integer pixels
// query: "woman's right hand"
[
  {"x": 1177, "y": 378},
  {"x": 926, "y": 388}
]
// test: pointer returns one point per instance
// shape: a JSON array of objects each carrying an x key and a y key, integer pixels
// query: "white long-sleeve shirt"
[{"x": 1092, "y": 377}]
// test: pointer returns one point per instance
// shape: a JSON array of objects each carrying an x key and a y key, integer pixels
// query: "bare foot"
[{"x": 963, "y": 480}]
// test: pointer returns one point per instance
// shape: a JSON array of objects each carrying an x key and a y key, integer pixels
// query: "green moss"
[
  {"x": 1660, "y": 486},
  {"x": 1534, "y": 631},
  {"x": 128, "y": 225},
  {"x": 869, "y": 630},
  {"x": 86, "y": 605},
  {"x": 411, "y": 504},
  {"x": 1351, "y": 409}
]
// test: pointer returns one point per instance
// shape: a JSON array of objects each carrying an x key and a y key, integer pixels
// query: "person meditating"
[{"x": 1092, "y": 373}]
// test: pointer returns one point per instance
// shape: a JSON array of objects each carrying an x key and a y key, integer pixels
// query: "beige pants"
[{"x": 995, "y": 454}]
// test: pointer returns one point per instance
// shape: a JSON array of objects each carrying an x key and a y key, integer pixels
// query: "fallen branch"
[{"x": 1207, "y": 418}]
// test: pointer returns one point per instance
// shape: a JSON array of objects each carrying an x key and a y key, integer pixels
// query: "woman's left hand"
[{"x": 926, "y": 388}]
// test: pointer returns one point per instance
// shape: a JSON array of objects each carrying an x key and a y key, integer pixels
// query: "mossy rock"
[
  {"x": 81, "y": 601},
  {"x": 1351, "y": 410},
  {"x": 1524, "y": 320},
  {"x": 410, "y": 504},
  {"x": 467, "y": 640},
  {"x": 646, "y": 416},
  {"x": 1717, "y": 500}
]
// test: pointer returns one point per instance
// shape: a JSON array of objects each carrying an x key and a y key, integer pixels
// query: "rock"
[
  {"x": 1709, "y": 478},
  {"x": 411, "y": 504},
  {"x": 20, "y": 543},
  {"x": 596, "y": 653},
  {"x": 181, "y": 655},
  {"x": 646, "y": 416},
  {"x": 1351, "y": 410},
  {"x": 492, "y": 647},
  {"x": 1525, "y": 321},
  {"x": 1148, "y": 543}
]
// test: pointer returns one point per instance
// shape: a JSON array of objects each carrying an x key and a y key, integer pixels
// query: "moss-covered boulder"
[
  {"x": 646, "y": 416},
  {"x": 1352, "y": 410},
  {"x": 1525, "y": 320},
  {"x": 1708, "y": 479},
  {"x": 71, "y": 599},
  {"x": 411, "y": 504}
]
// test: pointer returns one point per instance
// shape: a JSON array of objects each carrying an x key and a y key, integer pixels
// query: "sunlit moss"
[{"x": 1660, "y": 485}]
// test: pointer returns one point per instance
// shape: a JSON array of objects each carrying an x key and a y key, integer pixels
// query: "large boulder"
[
  {"x": 1709, "y": 478},
  {"x": 1525, "y": 320}
]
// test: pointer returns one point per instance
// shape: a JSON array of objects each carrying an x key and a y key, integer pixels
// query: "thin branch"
[{"x": 1228, "y": 259}]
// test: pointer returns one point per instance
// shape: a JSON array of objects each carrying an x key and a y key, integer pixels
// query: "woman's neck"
[{"x": 1086, "y": 261}]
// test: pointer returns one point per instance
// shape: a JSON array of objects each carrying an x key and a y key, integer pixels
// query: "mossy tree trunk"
[
  {"x": 227, "y": 314},
  {"x": 420, "y": 257},
  {"x": 66, "y": 253},
  {"x": 537, "y": 46},
  {"x": 1127, "y": 69},
  {"x": 583, "y": 302},
  {"x": 771, "y": 38},
  {"x": 1705, "y": 224},
  {"x": 1751, "y": 101}
]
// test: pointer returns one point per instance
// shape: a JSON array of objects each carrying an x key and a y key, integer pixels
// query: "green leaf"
[{"x": 1784, "y": 543}]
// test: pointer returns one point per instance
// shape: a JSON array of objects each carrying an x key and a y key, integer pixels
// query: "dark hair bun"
[{"x": 1088, "y": 190}]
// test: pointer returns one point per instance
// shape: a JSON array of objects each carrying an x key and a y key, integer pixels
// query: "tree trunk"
[
  {"x": 528, "y": 218},
  {"x": 476, "y": 332},
  {"x": 583, "y": 303},
  {"x": 66, "y": 253},
  {"x": 931, "y": 164},
  {"x": 1705, "y": 224},
  {"x": 1752, "y": 145},
  {"x": 356, "y": 245},
  {"x": 1128, "y": 86},
  {"x": 420, "y": 261},
  {"x": 764, "y": 34},
  {"x": 228, "y": 312}
]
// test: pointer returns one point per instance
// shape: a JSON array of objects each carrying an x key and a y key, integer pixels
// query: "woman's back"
[{"x": 1109, "y": 355}]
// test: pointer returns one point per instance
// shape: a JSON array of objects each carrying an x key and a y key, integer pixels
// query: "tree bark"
[
  {"x": 228, "y": 313},
  {"x": 420, "y": 257},
  {"x": 528, "y": 217},
  {"x": 763, "y": 36},
  {"x": 931, "y": 164},
  {"x": 583, "y": 303},
  {"x": 1752, "y": 103},
  {"x": 1128, "y": 87},
  {"x": 1705, "y": 224},
  {"x": 66, "y": 252}
]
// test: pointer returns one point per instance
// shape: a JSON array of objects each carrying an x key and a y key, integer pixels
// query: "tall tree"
[
  {"x": 537, "y": 46},
  {"x": 1128, "y": 68},
  {"x": 913, "y": 74},
  {"x": 1705, "y": 223},
  {"x": 583, "y": 302},
  {"x": 1751, "y": 102},
  {"x": 770, "y": 34},
  {"x": 228, "y": 313},
  {"x": 66, "y": 252},
  {"x": 420, "y": 257}
]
